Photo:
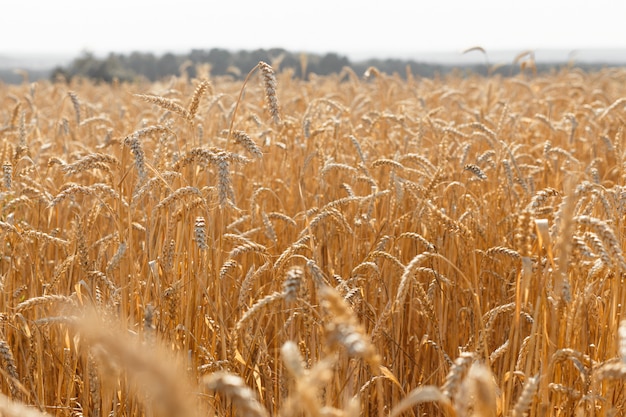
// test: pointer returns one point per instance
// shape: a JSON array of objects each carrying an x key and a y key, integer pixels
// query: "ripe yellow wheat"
[{"x": 367, "y": 247}]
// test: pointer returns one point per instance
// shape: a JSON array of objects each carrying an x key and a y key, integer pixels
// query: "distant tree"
[
  {"x": 60, "y": 74},
  {"x": 196, "y": 57},
  {"x": 144, "y": 64},
  {"x": 246, "y": 60},
  {"x": 168, "y": 65},
  {"x": 292, "y": 61},
  {"x": 116, "y": 67},
  {"x": 220, "y": 60},
  {"x": 332, "y": 63},
  {"x": 199, "y": 56},
  {"x": 87, "y": 65}
]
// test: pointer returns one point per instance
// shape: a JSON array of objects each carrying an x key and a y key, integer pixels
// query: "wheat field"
[{"x": 349, "y": 245}]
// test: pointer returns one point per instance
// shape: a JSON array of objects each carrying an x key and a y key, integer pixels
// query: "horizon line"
[{"x": 469, "y": 56}]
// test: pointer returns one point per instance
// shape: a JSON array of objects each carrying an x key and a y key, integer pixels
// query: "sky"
[{"x": 355, "y": 28}]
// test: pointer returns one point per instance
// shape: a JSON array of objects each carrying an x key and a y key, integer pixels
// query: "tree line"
[
  {"x": 147, "y": 65},
  {"x": 128, "y": 67}
]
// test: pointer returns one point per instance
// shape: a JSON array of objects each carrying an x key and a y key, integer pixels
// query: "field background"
[{"x": 354, "y": 244}]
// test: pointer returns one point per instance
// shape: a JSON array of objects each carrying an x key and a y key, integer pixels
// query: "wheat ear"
[
  {"x": 525, "y": 399},
  {"x": 202, "y": 88},
  {"x": 9, "y": 366},
  {"x": 243, "y": 139},
  {"x": 344, "y": 329},
  {"x": 457, "y": 374},
  {"x": 7, "y": 174},
  {"x": 166, "y": 104},
  {"x": 76, "y": 104},
  {"x": 233, "y": 387},
  {"x": 269, "y": 83}
]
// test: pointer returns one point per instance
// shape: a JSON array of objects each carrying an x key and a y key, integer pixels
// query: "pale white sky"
[{"x": 359, "y": 28}]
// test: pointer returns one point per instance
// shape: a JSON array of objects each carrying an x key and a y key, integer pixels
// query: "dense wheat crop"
[{"x": 340, "y": 246}]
